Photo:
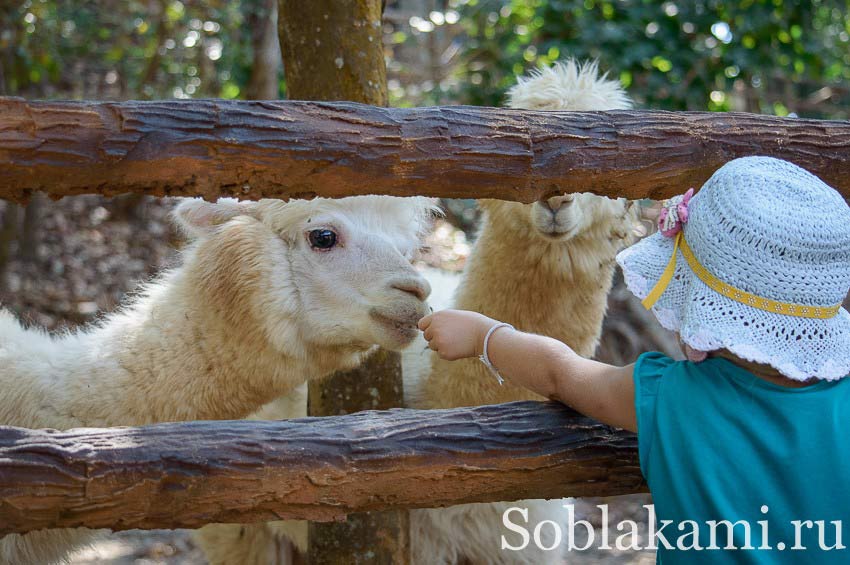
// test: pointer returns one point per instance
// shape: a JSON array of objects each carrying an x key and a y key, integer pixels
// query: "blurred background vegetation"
[
  {"x": 769, "y": 56},
  {"x": 140, "y": 49}
]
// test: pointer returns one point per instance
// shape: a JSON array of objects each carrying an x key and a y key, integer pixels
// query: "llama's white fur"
[
  {"x": 265, "y": 543},
  {"x": 546, "y": 268},
  {"x": 568, "y": 85},
  {"x": 252, "y": 312},
  {"x": 545, "y": 272}
]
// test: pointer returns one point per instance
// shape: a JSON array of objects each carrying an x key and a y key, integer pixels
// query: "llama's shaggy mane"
[{"x": 568, "y": 85}]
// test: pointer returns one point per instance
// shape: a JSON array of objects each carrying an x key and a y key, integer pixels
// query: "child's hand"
[{"x": 455, "y": 334}]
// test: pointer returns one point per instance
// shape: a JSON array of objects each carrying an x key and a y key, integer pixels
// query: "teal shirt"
[{"x": 718, "y": 443}]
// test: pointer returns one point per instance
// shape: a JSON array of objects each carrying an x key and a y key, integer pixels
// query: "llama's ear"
[
  {"x": 645, "y": 214},
  {"x": 198, "y": 217}
]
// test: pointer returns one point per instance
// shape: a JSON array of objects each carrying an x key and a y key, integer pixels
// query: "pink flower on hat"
[{"x": 674, "y": 214}]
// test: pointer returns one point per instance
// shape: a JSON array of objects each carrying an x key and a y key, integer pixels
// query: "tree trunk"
[
  {"x": 333, "y": 50},
  {"x": 28, "y": 234},
  {"x": 373, "y": 537},
  {"x": 8, "y": 236},
  {"x": 264, "y": 83}
]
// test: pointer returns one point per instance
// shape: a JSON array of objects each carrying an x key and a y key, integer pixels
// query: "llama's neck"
[
  {"x": 174, "y": 356},
  {"x": 558, "y": 289}
]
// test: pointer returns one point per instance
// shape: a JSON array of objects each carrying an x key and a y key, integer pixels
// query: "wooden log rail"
[
  {"x": 284, "y": 149},
  {"x": 185, "y": 475}
]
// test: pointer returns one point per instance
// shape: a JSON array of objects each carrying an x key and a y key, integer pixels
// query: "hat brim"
[{"x": 799, "y": 348}]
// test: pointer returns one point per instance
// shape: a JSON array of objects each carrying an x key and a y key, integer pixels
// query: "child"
[{"x": 744, "y": 445}]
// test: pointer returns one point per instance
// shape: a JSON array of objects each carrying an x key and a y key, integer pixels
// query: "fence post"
[
  {"x": 332, "y": 50},
  {"x": 368, "y": 537}
]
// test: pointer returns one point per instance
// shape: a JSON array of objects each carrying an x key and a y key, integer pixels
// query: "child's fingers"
[
  {"x": 428, "y": 334},
  {"x": 425, "y": 322}
]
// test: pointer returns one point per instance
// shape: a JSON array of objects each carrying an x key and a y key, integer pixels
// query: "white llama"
[
  {"x": 269, "y": 294},
  {"x": 546, "y": 268}
]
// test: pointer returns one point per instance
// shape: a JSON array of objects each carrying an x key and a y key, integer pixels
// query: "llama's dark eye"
[{"x": 322, "y": 238}]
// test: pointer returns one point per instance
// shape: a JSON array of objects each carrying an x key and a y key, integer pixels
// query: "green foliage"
[
  {"x": 768, "y": 56},
  {"x": 117, "y": 49}
]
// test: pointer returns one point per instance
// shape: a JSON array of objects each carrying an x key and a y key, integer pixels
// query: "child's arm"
[{"x": 541, "y": 364}]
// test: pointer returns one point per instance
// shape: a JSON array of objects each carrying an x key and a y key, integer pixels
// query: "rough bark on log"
[
  {"x": 185, "y": 475},
  {"x": 282, "y": 149},
  {"x": 333, "y": 50}
]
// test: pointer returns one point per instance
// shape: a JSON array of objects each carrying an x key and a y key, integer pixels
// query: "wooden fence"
[
  {"x": 185, "y": 475},
  {"x": 284, "y": 149},
  {"x": 188, "y": 474}
]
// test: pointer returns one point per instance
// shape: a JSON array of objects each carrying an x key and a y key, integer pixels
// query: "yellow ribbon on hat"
[{"x": 729, "y": 291}]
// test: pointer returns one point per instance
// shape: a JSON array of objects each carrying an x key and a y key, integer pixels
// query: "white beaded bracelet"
[{"x": 486, "y": 358}]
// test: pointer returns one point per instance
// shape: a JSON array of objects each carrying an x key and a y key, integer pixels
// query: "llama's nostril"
[
  {"x": 417, "y": 287},
  {"x": 555, "y": 203}
]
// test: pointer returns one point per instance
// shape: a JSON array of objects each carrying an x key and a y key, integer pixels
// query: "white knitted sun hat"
[{"x": 762, "y": 266}]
